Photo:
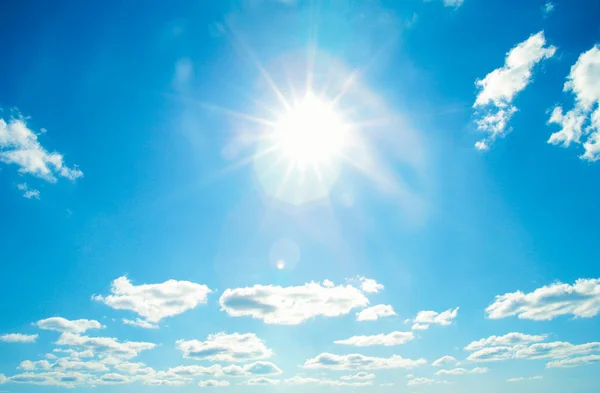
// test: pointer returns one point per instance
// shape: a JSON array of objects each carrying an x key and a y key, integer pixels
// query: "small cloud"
[
  {"x": 140, "y": 323},
  {"x": 548, "y": 8},
  {"x": 19, "y": 338},
  {"x": 27, "y": 192}
]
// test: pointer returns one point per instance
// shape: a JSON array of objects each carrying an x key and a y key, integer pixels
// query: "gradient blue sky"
[{"x": 142, "y": 230}]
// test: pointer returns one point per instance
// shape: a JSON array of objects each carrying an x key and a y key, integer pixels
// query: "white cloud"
[
  {"x": 369, "y": 285},
  {"x": 462, "y": 371},
  {"x": 453, "y": 3},
  {"x": 522, "y": 346},
  {"x": 360, "y": 362},
  {"x": 426, "y": 318},
  {"x": 224, "y": 347},
  {"x": 211, "y": 383},
  {"x": 358, "y": 376},
  {"x": 444, "y": 360},
  {"x": 388, "y": 340},
  {"x": 107, "y": 346},
  {"x": 155, "y": 301},
  {"x": 343, "y": 382},
  {"x": 60, "y": 324},
  {"x": 259, "y": 368},
  {"x": 260, "y": 381},
  {"x": 426, "y": 381},
  {"x": 19, "y": 145},
  {"x": 574, "y": 362},
  {"x": 581, "y": 125},
  {"x": 18, "y": 338},
  {"x": 499, "y": 88},
  {"x": 508, "y": 339},
  {"x": 291, "y": 305},
  {"x": 140, "y": 323},
  {"x": 581, "y": 299},
  {"x": 328, "y": 284},
  {"x": 27, "y": 192},
  {"x": 548, "y": 8},
  {"x": 520, "y": 379},
  {"x": 375, "y": 312}
]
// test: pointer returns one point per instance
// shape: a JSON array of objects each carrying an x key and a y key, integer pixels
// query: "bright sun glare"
[{"x": 311, "y": 133}]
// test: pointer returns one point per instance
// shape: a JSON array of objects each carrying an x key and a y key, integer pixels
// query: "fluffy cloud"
[
  {"x": 224, "y": 347},
  {"x": 426, "y": 318},
  {"x": 107, "y": 346},
  {"x": 28, "y": 192},
  {"x": 360, "y": 362},
  {"x": 574, "y": 362},
  {"x": 217, "y": 371},
  {"x": 462, "y": 371},
  {"x": 60, "y": 324},
  {"x": 140, "y": 323},
  {"x": 260, "y": 381},
  {"x": 375, "y": 312},
  {"x": 520, "y": 379},
  {"x": 388, "y": 340},
  {"x": 581, "y": 299},
  {"x": 155, "y": 301},
  {"x": 19, "y": 338},
  {"x": 522, "y": 346},
  {"x": 499, "y": 88},
  {"x": 369, "y": 285},
  {"x": 19, "y": 145},
  {"x": 291, "y": 305},
  {"x": 507, "y": 339},
  {"x": 444, "y": 360},
  {"x": 581, "y": 125},
  {"x": 358, "y": 376},
  {"x": 211, "y": 383},
  {"x": 425, "y": 381}
]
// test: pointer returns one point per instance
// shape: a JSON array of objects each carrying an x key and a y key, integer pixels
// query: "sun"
[
  {"x": 300, "y": 154},
  {"x": 310, "y": 133}
]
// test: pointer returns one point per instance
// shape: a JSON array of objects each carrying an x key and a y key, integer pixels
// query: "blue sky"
[{"x": 262, "y": 195}]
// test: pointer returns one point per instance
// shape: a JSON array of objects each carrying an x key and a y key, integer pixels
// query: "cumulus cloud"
[
  {"x": 426, "y": 381},
  {"x": 261, "y": 381},
  {"x": 28, "y": 193},
  {"x": 574, "y": 362},
  {"x": 20, "y": 146},
  {"x": 375, "y": 312},
  {"x": 462, "y": 371},
  {"x": 426, "y": 318},
  {"x": 362, "y": 375},
  {"x": 140, "y": 323},
  {"x": 259, "y": 368},
  {"x": 211, "y": 383},
  {"x": 369, "y": 285},
  {"x": 508, "y": 339},
  {"x": 444, "y": 360},
  {"x": 388, "y": 340},
  {"x": 360, "y": 362},
  {"x": 581, "y": 125},
  {"x": 224, "y": 347},
  {"x": 291, "y": 305},
  {"x": 548, "y": 8},
  {"x": 18, "y": 338},
  {"x": 60, "y": 324},
  {"x": 498, "y": 89},
  {"x": 107, "y": 346},
  {"x": 582, "y": 299},
  {"x": 155, "y": 301},
  {"x": 522, "y": 346}
]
